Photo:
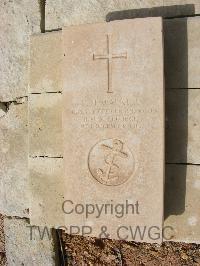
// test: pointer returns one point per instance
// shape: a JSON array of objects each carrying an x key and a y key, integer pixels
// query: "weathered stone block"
[
  {"x": 45, "y": 124},
  {"x": 45, "y": 63},
  {"x": 19, "y": 19},
  {"x": 14, "y": 188},
  {"x": 26, "y": 246},
  {"x": 182, "y": 53},
  {"x": 74, "y": 12},
  {"x": 182, "y": 197},
  {"x": 47, "y": 191},
  {"x": 183, "y": 126}
]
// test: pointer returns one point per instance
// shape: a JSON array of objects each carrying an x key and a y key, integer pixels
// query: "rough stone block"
[
  {"x": 45, "y": 124},
  {"x": 45, "y": 63},
  {"x": 76, "y": 12},
  {"x": 47, "y": 190},
  {"x": 73, "y": 12},
  {"x": 183, "y": 126},
  {"x": 14, "y": 188},
  {"x": 182, "y": 196},
  {"x": 182, "y": 53},
  {"x": 24, "y": 247},
  {"x": 19, "y": 19}
]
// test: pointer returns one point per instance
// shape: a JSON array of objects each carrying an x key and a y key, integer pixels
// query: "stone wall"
[{"x": 20, "y": 19}]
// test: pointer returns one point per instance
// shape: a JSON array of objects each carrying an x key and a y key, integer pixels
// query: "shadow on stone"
[
  {"x": 175, "y": 189},
  {"x": 42, "y": 4},
  {"x": 176, "y": 150},
  {"x": 176, "y": 101},
  {"x": 162, "y": 11},
  {"x": 175, "y": 53},
  {"x": 176, "y": 76}
]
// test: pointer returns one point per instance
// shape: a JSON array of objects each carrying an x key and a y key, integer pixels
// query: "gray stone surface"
[
  {"x": 183, "y": 126},
  {"x": 19, "y": 19},
  {"x": 62, "y": 13},
  {"x": 14, "y": 189},
  {"x": 182, "y": 197},
  {"x": 21, "y": 249},
  {"x": 182, "y": 53},
  {"x": 45, "y": 124},
  {"x": 45, "y": 63}
]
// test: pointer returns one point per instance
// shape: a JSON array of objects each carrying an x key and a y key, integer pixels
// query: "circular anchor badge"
[{"x": 110, "y": 162}]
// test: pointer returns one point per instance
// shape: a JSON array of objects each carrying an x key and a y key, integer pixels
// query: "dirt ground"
[
  {"x": 79, "y": 250},
  {"x": 90, "y": 251},
  {"x": 2, "y": 259}
]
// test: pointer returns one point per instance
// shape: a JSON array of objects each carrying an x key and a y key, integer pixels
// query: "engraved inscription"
[
  {"x": 111, "y": 162},
  {"x": 118, "y": 112},
  {"x": 109, "y": 57}
]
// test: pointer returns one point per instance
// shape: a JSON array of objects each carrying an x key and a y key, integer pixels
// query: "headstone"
[{"x": 113, "y": 128}]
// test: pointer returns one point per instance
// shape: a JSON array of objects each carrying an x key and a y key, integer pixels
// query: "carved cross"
[{"x": 109, "y": 57}]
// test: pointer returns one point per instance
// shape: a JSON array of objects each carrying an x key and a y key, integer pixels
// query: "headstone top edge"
[{"x": 112, "y": 22}]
